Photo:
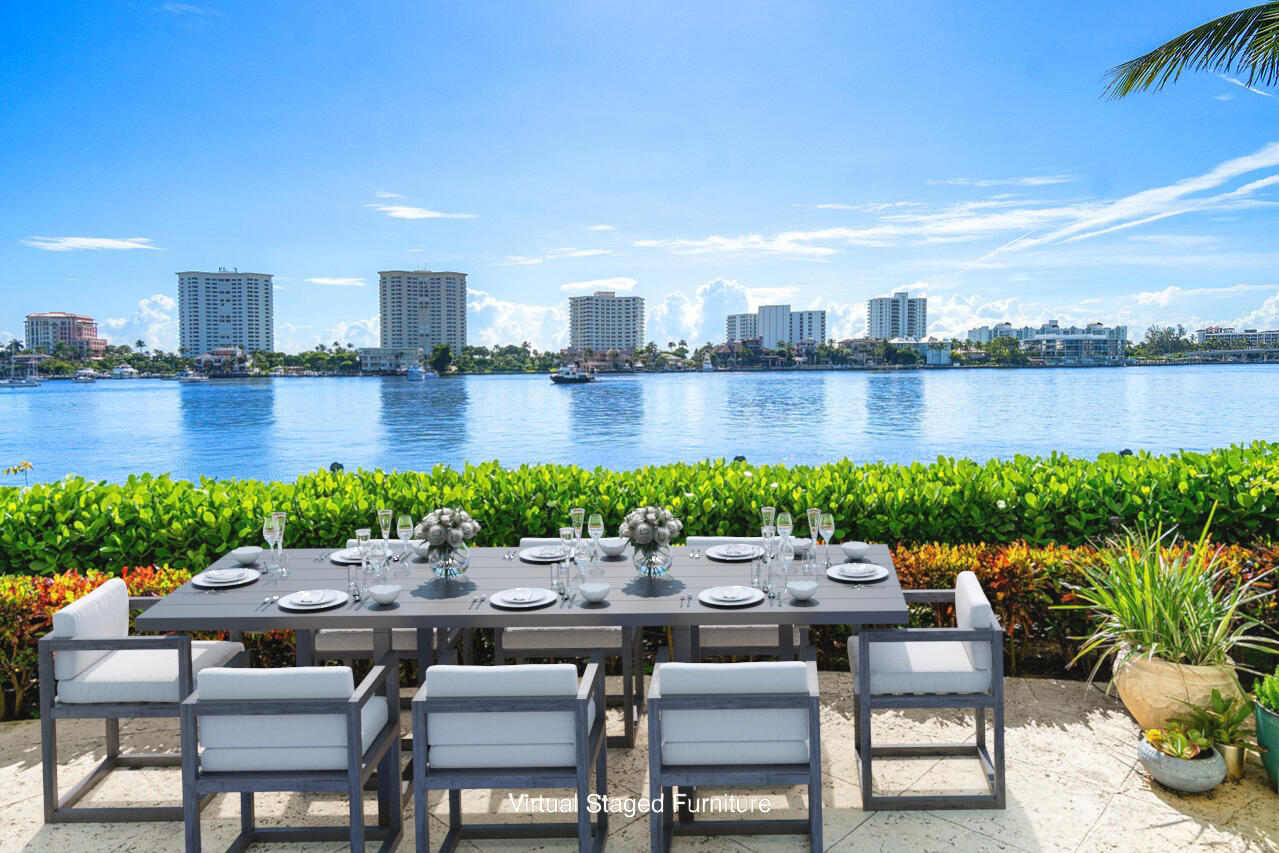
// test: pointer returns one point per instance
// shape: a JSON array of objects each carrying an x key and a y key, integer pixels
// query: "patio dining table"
[{"x": 431, "y": 603}]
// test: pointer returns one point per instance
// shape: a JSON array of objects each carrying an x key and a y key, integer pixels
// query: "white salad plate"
[
  {"x": 543, "y": 554},
  {"x": 313, "y": 599},
  {"x": 857, "y": 572},
  {"x": 734, "y": 552},
  {"x": 220, "y": 578},
  {"x": 522, "y": 598},
  {"x": 730, "y": 596}
]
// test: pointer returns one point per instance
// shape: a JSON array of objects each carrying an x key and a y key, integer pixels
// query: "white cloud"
[
  {"x": 362, "y": 333},
  {"x": 866, "y": 207},
  {"x": 188, "y": 9},
  {"x": 493, "y": 321},
  {"x": 404, "y": 211},
  {"x": 72, "y": 244},
  {"x": 1172, "y": 293},
  {"x": 337, "y": 282},
  {"x": 617, "y": 283},
  {"x": 1224, "y": 97},
  {"x": 1028, "y": 181},
  {"x": 6, "y": 336},
  {"x": 554, "y": 254},
  {"x": 789, "y": 243},
  {"x": 1265, "y": 316},
  {"x": 154, "y": 322},
  {"x": 600, "y": 227},
  {"x": 1244, "y": 85},
  {"x": 293, "y": 337},
  {"x": 385, "y": 194}
]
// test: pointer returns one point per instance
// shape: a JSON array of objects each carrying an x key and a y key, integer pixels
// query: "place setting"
[
  {"x": 856, "y": 571},
  {"x": 211, "y": 579},
  {"x": 734, "y": 552},
  {"x": 523, "y": 598},
  {"x": 543, "y": 554},
  {"x": 310, "y": 600},
  {"x": 731, "y": 596}
]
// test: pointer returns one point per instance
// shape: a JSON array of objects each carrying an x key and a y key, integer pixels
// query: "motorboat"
[
  {"x": 571, "y": 374},
  {"x": 186, "y": 376},
  {"x": 85, "y": 374},
  {"x": 417, "y": 374},
  {"x": 707, "y": 367}
]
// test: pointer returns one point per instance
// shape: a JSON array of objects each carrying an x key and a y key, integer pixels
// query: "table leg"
[
  {"x": 304, "y": 648},
  {"x": 682, "y": 640},
  {"x": 786, "y": 642},
  {"x": 381, "y": 643}
]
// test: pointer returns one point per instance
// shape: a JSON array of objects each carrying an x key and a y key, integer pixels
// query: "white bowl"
[
  {"x": 246, "y": 555},
  {"x": 385, "y": 593},
  {"x": 801, "y": 590},
  {"x": 613, "y": 546},
  {"x": 855, "y": 550},
  {"x": 594, "y": 592}
]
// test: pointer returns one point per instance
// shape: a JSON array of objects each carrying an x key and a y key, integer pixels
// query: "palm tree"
[{"x": 1244, "y": 42}]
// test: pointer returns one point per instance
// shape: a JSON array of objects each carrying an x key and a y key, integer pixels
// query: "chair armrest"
[
  {"x": 368, "y": 687},
  {"x": 177, "y": 642},
  {"x": 929, "y": 596},
  {"x": 655, "y": 680},
  {"x": 930, "y": 635},
  {"x": 813, "y": 690},
  {"x": 143, "y": 602},
  {"x": 261, "y": 707},
  {"x": 592, "y": 681}
]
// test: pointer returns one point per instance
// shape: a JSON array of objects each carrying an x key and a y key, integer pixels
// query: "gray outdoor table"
[{"x": 428, "y": 602}]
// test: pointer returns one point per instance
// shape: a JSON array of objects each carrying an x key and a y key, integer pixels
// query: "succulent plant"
[{"x": 1177, "y": 741}]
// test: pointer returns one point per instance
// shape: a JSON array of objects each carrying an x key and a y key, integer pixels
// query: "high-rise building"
[
  {"x": 741, "y": 327},
  {"x": 773, "y": 325},
  {"x": 227, "y": 308},
  {"x": 897, "y": 316},
  {"x": 986, "y": 334},
  {"x": 605, "y": 320},
  {"x": 1095, "y": 343},
  {"x": 44, "y": 331},
  {"x": 807, "y": 326},
  {"x": 421, "y": 308}
]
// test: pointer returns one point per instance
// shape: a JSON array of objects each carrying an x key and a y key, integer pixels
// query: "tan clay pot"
[{"x": 1154, "y": 689}]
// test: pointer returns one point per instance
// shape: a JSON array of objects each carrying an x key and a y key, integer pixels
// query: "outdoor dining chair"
[
  {"x": 303, "y": 729},
  {"x": 91, "y": 668},
  {"x": 612, "y": 641},
  {"x": 525, "y": 727},
  {"x": 733, "y": 725},
  {"x": 943, "y": 668},
  {"x": 725, "y": 640}
]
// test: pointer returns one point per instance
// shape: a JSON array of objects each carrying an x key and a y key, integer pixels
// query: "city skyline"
[{"x": 985, "y": 172}]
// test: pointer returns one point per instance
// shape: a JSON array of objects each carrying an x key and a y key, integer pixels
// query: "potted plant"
[
  {"x": 1181, "y": 759},
  {"x": 1266, "y": 706},
  {"x": 1222, "y": 721},
  {"x": 1167, "y": 616}
]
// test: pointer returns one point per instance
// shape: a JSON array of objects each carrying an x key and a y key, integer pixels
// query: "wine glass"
[
  {"x": 362, "y": 547},
  {"x": 384, "y": 523},
  {"x": 577, "y": 517},
  {"x": 784, "y": 524},
  {"x": 595, "y": 527},
  {"x": 814, "y": 527},
  {"x": 785, "y": 556},
  {"x": 827, "y": 527},
  {"x": 767, "y": 514},
  {"x": 404, "y": 530},
  {"x": 568, "y": 537},
  {"x": 272, "y": 532}
]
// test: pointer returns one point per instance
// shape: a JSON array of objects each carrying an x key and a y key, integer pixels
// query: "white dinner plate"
[
  {"x": 543, "y": 554},
  {"x": 734, "y": 552},
  {"x": 219, "y": 578},
  {"x": 313, "y": 599},
  {"x": 711, "y": 597},
  {"x": 522, "y": 598},
  {"x": 841, "y": 573},
  {"x": 346, "y": 555}
]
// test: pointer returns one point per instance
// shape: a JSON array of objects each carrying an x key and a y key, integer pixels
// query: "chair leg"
[
  {"x": 862, "y": 731},
  {"x": 247, "y": 816},
  {"x": 628, "y": 688},
  {"x": 583, "y": 814},
  {"x": 656, "y": 819},
  {"x": 980, "y": 714},
  {"x": 601, "y": 788},
  {"x": 355, "y": 792},
  {"x": 113, "y": 737},
  {"x": 421, "y": 822},
  {"x": 49, "y": 761},
  {"x": 1000, "y": 798}
]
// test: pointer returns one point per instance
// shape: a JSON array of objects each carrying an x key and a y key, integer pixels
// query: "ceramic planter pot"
[
  {"x": 1268, "y": 740},
  {"x": 1235, "y": 756},
  {"x": 1153, "y": 689},
  {"x": 1188, "y": 775}
]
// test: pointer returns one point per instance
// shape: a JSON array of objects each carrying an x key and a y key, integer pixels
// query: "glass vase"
[
  {"x": 449, "y": 561},
  {"x": 653, "y": 560}
]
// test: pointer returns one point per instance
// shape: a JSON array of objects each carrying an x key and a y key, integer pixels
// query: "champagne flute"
[
  {"x": 785, "y": 556},
  {"x": 271, "y": 533},
  {"x": 384, "y": 523},
  {"x": 767, "y": 514},
  {"x": 352, "y": 577},
  {"x": 281, "y": 519},
  {"x": 784, "y": 525},
  {"x": 595, "y": 527},
  {"x": 814, "y": 527},
  {"x": 404, "y": 530},
  {"x": 827, "y": 527},
  {"x": 766, "y": 559},
  {"x": 567, "y": 535}
]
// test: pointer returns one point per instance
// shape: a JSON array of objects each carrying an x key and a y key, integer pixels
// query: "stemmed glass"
[
  {"x": 577, "y": 517},
  {"x": 767, "y": 513},
  {"x": 280, "y": 563},
  {"x": 404, "y": 530},
  {"x": 784, "y": 524},
  {"x": 766, "y": 559},
  {"x": 595, "y": 527},
  {"x": 273, "y": 533},
  {"x": 827, "y": 526},
  {"x": 814, "y": 527},
  {"x": 785, "y": 556},
  {"x": 384, "y": 522},
  {"x": 568, "y": 537},
  {"x": 352, "y": 577}
]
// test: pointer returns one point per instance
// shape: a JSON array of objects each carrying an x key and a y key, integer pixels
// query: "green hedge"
[{"x": 75, "y": 523}]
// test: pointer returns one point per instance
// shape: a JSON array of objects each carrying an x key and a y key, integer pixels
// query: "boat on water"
[
  {"x": 707, "y": 367},
  {"x": 571, "y": 374},
  {"x": 186, "y": 376},
  {"x": 85, "y": 374},
  {"x": 419, "y": 374},
  {"x": 31, "y": 380},
  {"x": 124, "y": 371}
]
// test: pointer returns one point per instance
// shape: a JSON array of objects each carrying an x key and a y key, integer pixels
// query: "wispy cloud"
[
  {"x": 864, "y": 207},
  {"x": 1025, "y": 181},
  {"x": 189, "y": 9},
  {"x": 788, "y": 243},
  {"x": 600, "y": 227},
  {"x": 73, "y": 244},
  {"x": 404, "y": 211},
  {"x": 1244, "y": 85},
  {"x": 1164, "y": 298},
  {"x": 337, "y": 282},
  {"x": 385, "y": 194},
  {"x": 1225, "y": 96},
  {"x": 621, "y": 282},
  {"x": 553, "y": 254}
]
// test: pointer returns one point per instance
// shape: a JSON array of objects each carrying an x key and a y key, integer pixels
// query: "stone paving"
[{"x": 1073, "y": 786}]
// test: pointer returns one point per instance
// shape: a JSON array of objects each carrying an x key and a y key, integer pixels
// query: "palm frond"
[{"x": 1244, "y": 42}]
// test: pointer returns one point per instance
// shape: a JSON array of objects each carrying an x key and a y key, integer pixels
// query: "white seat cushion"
[
  {"x": 506, "y": 738},
  {"x": 606, "y": 637},
  {"x": 284, "y": 741},
  {"x": 360, "y": 640},
  {"x": 708, "y": 541},
  {"x": 938, "y": 667},
  {"x": 734, "y": 736},
  {"x": 736, "y": 636},
  {"x": 143, "y": 675},
  {"x": 973, "y": 611},
  {"x": 103, "y": 613}
]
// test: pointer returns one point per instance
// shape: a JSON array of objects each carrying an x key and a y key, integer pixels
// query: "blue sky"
[{"x": 708, "y": 156}]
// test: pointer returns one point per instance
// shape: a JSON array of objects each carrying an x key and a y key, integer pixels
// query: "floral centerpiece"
[
  {"x": 650, "y": 530},
  {"x": 446, "y": 532}
]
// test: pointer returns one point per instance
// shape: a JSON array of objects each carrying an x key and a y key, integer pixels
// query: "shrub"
[{"x": 148, "y": 519}]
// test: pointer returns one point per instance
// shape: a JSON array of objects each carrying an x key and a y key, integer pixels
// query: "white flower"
[
  {"x": 435, "y": 535},
  {"x": 650, "y": 517},
  {"x": 643, "y": 534},
  {"x": 455, "y": 537},
  {"x": 1001, "y": 504},
  {"x": 624, "y": 531},
  {"x": 432, "y": 519},
  {"x": 746, "y": 474},
  {"x": 662, "y": 535}
]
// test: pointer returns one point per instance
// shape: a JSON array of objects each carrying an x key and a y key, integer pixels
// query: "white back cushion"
[
  {"x": 742, "y": 726},
  {"x": 103, "y": 613},
  {"x": 535, "y": 542},
  {"x": 708, "y": 541},
  {"x": 506, "y": 727},
  {"x": 973, "y": 611},
  {"x": 221, "y": 684}
]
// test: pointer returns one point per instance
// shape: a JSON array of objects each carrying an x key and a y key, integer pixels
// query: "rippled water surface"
[{"x": 280, "y": 428}]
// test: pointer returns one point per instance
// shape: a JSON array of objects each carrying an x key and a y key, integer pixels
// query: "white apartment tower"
[
  {"x": 741, "y": 327},
  {"x": 808, "y": 326},
  {"x": 421, "y": 308},
  {"x": 604, "y": 321},
  {"x": 227, "y": 308},
  {"x": 897, "y": 316},
  {"x": 772, "y": 324}
]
